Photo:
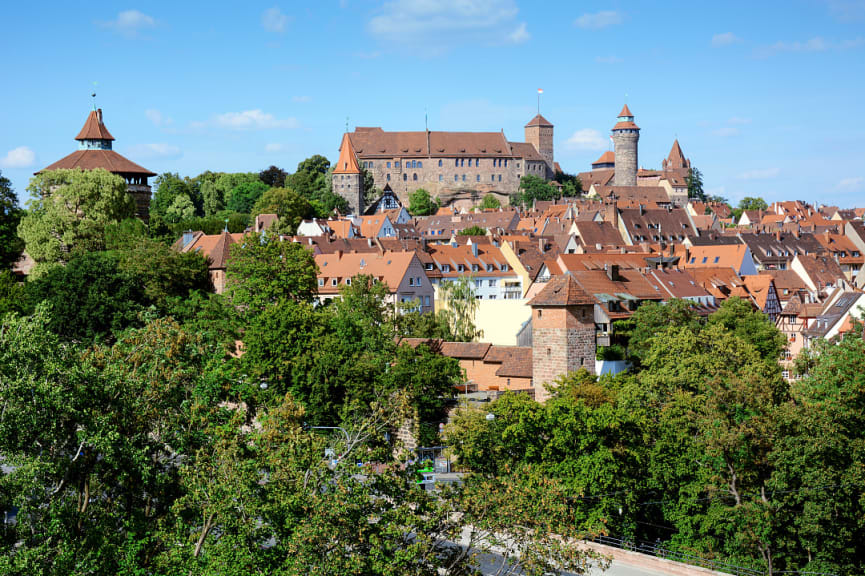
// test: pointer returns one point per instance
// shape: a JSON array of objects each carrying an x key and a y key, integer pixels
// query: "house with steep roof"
[
  {"x": 778, "y": 250},
  {"x": 401, "y": 272},
  {"x": 845, "y": 253},
  {"x": 489, "y": 269},
  {"x": 216, "y": 249},
  {"x": 763, "y": 294},
  {"x": 735, "y": 256},
  {"x": 821, "y": 274},
  {"x": 640, "y": 225}
]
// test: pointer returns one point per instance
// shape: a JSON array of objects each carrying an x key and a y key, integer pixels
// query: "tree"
[
  {"x": 211, "y": 198},
  {"x": 274, "y": 177},
  {"x": 370, "y": 192},
  {"x": 10, "y": 215},
  {"x": 13, "y": 295},
  {"x": 69, "y": 212},
  {"x": 459, "y": 308},
  {"x": 244, "y": 196},
  {"x": 263, "y": 270},
  {"x": 535, "y": 188},
  {"x": 420, "y": 203},
  {"x": 749, "y": 203},
  {"x": 290, "y": 207},
  {"x": 571, "y": 184},
  {"x": 695, "y": 184},
  {"x": 490, "y": 202},
  {"x": 751, "y": 325},
  {"x": 472, "y": 231},
  {"x": 169, "y": 187},
  {"x": 181, "y": 209},
  {"x": 650, "y": 319}
]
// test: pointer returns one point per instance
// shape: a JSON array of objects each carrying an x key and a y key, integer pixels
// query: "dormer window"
[
  {"x": 489, "y": 267},
  {"x": 446, "y": 268},
  {"x": 460, "y": 268},
  {"x": 333, "y": 281},
  {"x": 504, "y": 267},
  {"x": 348, "y": 281},
  {"x": 321, "y": 281},
  {"x": 475, "y": 267}
]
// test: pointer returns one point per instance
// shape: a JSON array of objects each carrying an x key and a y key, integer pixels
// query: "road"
[{"x": 489, "y": 563}]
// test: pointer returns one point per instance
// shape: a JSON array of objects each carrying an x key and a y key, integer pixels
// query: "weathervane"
[
  {"x": 346, "y": 124},
  {"x": 93, "y": 95}
]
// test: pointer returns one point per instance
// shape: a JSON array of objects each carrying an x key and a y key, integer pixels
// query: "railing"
[{"x": 685, "y": 558}]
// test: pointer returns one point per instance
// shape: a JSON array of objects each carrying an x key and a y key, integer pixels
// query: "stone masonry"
[{"x": 626, "y": 136}]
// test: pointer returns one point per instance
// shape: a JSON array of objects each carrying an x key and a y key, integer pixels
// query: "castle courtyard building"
[{"x": 453, "y": 166}]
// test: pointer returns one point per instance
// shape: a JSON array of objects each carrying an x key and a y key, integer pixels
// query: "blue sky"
[{"x": 766, "y": 98}]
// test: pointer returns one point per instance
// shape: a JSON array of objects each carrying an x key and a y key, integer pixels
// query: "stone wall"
[
  {"x": 350, "y": 187},
  {"x": 626, "y": 156},
  {"x": 141, "y": 194},
  {"x": 482, "y": 175}
]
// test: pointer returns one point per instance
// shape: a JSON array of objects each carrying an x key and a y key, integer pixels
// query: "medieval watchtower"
[
  {"x": 563, "y": 332},
  {"x": 626, "y": 135},
  {"x": 539, "y": 133},
  {"x": 347, "y": 176}
]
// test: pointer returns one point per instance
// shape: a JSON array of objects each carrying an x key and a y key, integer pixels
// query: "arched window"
[
  {"x": 478, "y": 178},
  {"x": 440, "y": 163},
  {"x": 457, "y": 162},
  {"x": 420, "y": 164},
  {"x": 404, "y": 176},
  {"x": 388, "y": 177},
  {"x": 506, "y": 162},
  {"x": 456, "y": 178},
  {"x": 463, "y": 162},
  {"x": 464, "y": 177},
  {"x": 414, "y": 177}
]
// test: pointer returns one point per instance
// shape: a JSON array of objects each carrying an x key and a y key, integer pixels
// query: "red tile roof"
[
  {"x": 539, "y": 121},
  {"x": 94, "y": 128},
  {"x": 347, "y": 163},
  {"x": 625, "y": 111},
  {"x": 93, "y": 159},
  {"x": 516, "y": 364},
  {"x": 608, "y": 157},
  {"x": 562, "y": 291}
]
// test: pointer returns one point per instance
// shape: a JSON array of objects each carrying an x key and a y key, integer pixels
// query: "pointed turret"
[
  {"x": 347, "y": 163},
  {"x": 626, "y": 135},
  {"x": 94, "y": 135},
  {"x": 676, "y": 160},
  {"x": 348, "y": 177}
]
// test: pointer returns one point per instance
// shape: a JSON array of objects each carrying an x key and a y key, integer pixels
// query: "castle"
[{"x": 450, "y": 166}]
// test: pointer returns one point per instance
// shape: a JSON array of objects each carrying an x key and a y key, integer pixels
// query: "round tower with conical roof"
[{"x": 626, "y": 135}]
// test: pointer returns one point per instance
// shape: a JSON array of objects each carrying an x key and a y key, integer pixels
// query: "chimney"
[
  {"x": 642, "y": 209},
  {"x": 99, "y": 115},
  {"x": 613, "y": 272},
  {"x": 474, "y": 249},
  {"x": 541, "y": 245},
  {"x": 369, "y": 242}
]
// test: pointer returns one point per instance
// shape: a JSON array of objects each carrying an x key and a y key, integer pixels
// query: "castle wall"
[{"x": 563, "y": 340}]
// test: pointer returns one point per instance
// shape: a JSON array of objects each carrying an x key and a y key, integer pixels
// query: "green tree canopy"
[
  {"x": 695, "y": 184},
  {"x": 420, "y": 203},
  {"x": 10, "y": 215},
  {"x": 243, "y": 197},
  {"x": 289, "y": 206},
  {"x": 472, "y": 231},
  {"x": 274, "y": 176},
  {"x": 536, "y": 188},
  {"x": 69, "y": 212},
  {"x": 490, "y": 202}
]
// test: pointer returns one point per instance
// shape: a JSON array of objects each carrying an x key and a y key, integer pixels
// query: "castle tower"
[
  {"x": 626, "y": 135},
  {"x": 563, "y": 332},
  {"x": 94, "y": 151},
  {"x": 676, "y": 160},
  {"x": 539, "y": 133},
  {"x": 348, "y": 178}
]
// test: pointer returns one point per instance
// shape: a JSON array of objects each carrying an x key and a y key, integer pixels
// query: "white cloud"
[
  {"x": 273, "y": 147},
  {"x": 301, "y": 99},
  {"x": 155, "y": 150},
  {"x": 814, "y": 45},
  {"x": 851, "y": 184},
  {"x": 20, "y": 157},
  {"x": 738, "y": 121},
  {"x": 157, "y": 118},
  {"x": 599, "y": 20},
  {"x": 725, "y": 39},
  {"x": 253, "y": 120},
  {"x": 726, "y": 131},
  {"x": 435, "y": 26},
  {"x": 608, "y": 60},
  {"x": 587, "y": 139},
  {"x": 273, "y": 20},
  {"x": 760, "y": 174},
  {"x": 130, "y": 22},
  {"x": 519, "y": 35}
]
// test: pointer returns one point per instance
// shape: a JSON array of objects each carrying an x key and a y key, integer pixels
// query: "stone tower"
[
  {"x": 348, "y": 178},
  {"x": 626, "y": 135},
  {"x": 539, "y": 133},
  {"x": 563, "y": 332},
  {"x": 95, "y": 145}
]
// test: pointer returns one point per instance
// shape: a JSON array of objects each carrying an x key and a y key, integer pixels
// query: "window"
[
  {"x": 500, "y": 177},
  {"x": 388, "y": 178},
  {"x": 475, "y": 267},
  {"x": 420, "y": 164},
  {"x": 716, "y": 259},
  {"x": 693, "y": 259},
  {"x": 478, "y": 178},
  {"x": 785, "y": 374},
  {"x": 493, "y": 177},
  {"x": 504, "y": 267},
  {"x": 333, "y": 281},
  {"x": 705, "y": 258},
  {"x": 440, "y": 163},
  {"x": 440, "y": 177},
  {"x": 426, "y": 300},
  {"x": 414, "y": 177},
  {"x": 446, "y": 267},
  {"x": 457, "y": 162},
  {"x": 478, "y": 283},
  {"x": 396, "y": 164},
  {"x": 456, "y": 178},
  {"x": 489, "y": 267},
  {"x": 506, "y": 162},
  {"x": 348, "y": 281},
  {"x": 388, "y": 164},
  {"x": 492, "y": 283},
  {"x": 463, "y": 163},
  {"x": 404, "y": 176},
  {"x": 321, "y": 281},
  {"x": 371, "y": 165},
  {"x": 410, "y": 281},
  {"x": 460, "y": 268},
  {"x": 492, "y": 296},
  {"x": 464, "y": 177}
]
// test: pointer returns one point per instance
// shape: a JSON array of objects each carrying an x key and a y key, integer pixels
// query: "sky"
[{"x": 764, "y": 97}]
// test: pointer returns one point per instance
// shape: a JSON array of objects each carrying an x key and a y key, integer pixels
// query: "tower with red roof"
[
  {"x": 626, "y": 135},
  {"x": 348, "y": 177}
]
